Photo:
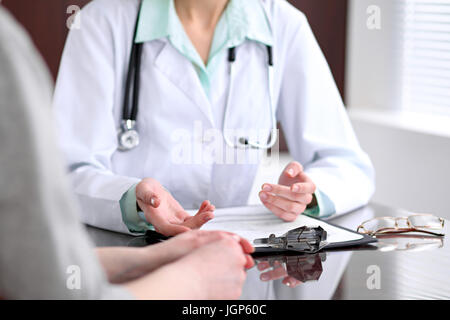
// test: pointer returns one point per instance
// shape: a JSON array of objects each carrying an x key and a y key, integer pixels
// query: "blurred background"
[{"x": 391, "y": 62}]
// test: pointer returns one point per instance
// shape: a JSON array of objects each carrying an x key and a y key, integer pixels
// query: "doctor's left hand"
[
  {"x": 291, "y": 195},
  {"x": 165, "y": 213}
]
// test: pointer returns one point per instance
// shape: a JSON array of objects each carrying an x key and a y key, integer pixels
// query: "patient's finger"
[
  {"x": 249, "y": 262},
  {"x": 247, "y": 247},
  {"x": 208, "y": 236}
]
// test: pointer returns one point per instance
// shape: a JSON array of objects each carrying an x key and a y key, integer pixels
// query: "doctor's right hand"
[{"x": 165, "y": 213}]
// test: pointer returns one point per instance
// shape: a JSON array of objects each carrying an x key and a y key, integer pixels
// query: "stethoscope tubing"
[{"x": 133, "y": 80}]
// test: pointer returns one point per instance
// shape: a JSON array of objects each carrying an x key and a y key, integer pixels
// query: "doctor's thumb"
[
  {"x": 152, "y": 200},
  {"x": 147, "y": 196}
]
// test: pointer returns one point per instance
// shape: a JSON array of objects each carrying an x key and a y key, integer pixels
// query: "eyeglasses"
[{"x": 423, "y": 223}]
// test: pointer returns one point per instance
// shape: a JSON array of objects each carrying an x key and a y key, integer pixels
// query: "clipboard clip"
[{"x": 302, "y": 239}]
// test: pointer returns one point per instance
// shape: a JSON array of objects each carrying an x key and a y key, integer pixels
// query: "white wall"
[
  {"x": 411, "y": 154},
  {"x": 413, "y": 168},
  {"x": 370, "y": 67}
]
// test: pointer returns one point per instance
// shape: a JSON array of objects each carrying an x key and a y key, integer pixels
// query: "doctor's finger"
[
  {"x": 280, "y": 213},
  {"x": 204, "y": 205},
  {"x": 195, "y": 222},
  {"x": 303, "y": 187},
  {"x": 207, "y": 206},
  {"x": 283, "y": 203},
  {"x": 274, "y": 274},
  {"x": 293, "y": 169},
  {"x": 162, "y": 225},
  {"x": 291, "y": 282},
  {"x": 146, "y": 195},
  {"x": 287, "y": 193},
  {"x": 169, "y": 229},
  {"x": 263, "y": 265}
]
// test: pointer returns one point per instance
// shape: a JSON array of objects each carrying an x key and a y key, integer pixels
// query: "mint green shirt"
[{"x": 241, "y": 20}]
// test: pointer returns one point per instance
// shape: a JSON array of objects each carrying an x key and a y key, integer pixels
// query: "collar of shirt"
[{"x": 241, "y": 20}]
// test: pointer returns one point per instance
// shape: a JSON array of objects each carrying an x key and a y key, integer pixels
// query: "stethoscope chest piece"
[{"x": 128, "y": 136}]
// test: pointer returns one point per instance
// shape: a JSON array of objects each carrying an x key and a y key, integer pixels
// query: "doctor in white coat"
[{"x": 200, "y": 108}]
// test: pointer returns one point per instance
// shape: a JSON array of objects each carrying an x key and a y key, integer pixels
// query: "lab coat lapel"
[{"x": 182, "y": 74}]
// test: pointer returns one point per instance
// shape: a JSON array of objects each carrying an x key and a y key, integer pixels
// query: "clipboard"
[
  {"x": 364, "y": 241},
  {"x": 253, "y": 222}
]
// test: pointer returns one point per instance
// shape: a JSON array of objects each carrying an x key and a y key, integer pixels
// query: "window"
[{"x": 424, "y": 31}]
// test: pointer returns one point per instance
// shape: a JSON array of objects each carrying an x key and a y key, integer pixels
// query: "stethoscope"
[{"x": 128, "y": 135}]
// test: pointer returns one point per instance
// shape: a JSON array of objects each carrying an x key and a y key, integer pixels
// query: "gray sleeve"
[{"x": 44, "y": 250}]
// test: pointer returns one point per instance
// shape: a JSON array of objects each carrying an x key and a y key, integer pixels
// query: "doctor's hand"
[
  {"x": 291, "y": 195},
  {"x": 165, "y": 213}
]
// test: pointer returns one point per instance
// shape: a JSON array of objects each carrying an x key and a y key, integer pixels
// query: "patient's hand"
[
  {"x": 165, "y": 213},
  {"x": 123, "y": 264},
  {"x": 211, "y": 265},
  {"x": 187, "y": 242},
  {"x": 217, "y": 269}
]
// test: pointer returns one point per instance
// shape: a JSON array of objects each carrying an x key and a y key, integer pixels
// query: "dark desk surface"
[{"x": 408, "y": 268}]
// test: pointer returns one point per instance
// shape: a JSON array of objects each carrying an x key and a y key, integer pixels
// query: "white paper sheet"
[{"x": 255, "y": 222}]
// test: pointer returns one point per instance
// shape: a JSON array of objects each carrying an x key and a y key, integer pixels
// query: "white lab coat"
[{"x": 88, "y": 106}]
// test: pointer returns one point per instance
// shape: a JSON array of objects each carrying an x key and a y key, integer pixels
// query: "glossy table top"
[{"x": 393, "y": 268}]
